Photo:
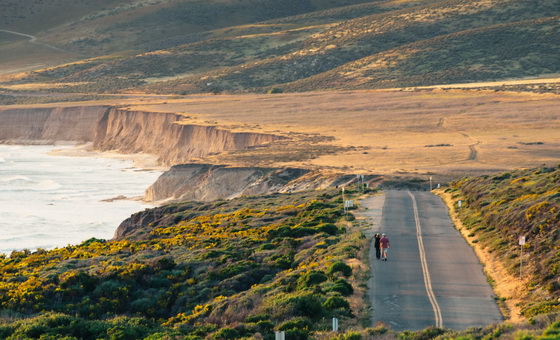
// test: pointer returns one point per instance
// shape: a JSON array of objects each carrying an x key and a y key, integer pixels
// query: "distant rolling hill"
[
  {"x": 182, "y": 47},
  {"x": 489, "y": 53}
]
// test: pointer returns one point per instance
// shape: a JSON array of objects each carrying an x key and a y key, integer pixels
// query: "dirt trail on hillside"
[{"x": 33, "y": 40}]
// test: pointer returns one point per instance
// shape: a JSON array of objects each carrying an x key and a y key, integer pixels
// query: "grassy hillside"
[
  {"x": 228, "y": 269},
  {"x": 239, "y": 269},
  {"x": 383, "y": 33},
  {"x": 501, "y": 208},
  {"x": 489, "y": 53},
  {"x": 218, "y": 46}
]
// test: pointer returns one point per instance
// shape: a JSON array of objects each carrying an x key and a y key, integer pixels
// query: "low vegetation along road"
[{"x": 432, "y": 277}]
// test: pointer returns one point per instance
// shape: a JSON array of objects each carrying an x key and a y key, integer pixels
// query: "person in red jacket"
[{"x": 385, "y": 245}]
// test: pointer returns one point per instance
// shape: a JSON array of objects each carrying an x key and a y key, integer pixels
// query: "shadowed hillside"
[{"x": 239, "y": 46}]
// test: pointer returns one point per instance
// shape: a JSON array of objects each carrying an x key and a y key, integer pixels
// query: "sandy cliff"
[
  {"x": 172, "y": 140},
  {"x": 49, "y": 125},
  {"x": 165, "y": 135},
  {"x": 116, "y": 129}
]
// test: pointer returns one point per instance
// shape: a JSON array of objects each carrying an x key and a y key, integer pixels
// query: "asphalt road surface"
[{"x": 432, "y": 276}]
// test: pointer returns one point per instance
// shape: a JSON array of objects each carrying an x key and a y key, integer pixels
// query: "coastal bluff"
[
  {"x": 175, "y": 143},
  {"x": 165, "y": 135}
]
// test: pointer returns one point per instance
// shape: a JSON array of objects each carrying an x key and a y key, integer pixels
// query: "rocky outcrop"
[
  {"x": 205, "y": 182},
  {"x": 165, "y": 135}
]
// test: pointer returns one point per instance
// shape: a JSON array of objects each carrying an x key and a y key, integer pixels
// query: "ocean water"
[{"x": 49, "y": 201}]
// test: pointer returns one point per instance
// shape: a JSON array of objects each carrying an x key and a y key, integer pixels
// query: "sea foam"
[{"x": 51, "y": 201}]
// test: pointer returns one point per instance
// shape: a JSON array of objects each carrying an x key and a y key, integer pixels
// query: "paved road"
[{"x": 432, "y": 276}]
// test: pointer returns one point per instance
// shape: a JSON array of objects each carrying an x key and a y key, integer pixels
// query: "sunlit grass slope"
[
  {"x": 489, "y": 53},
  {"x": 243, "y": 46},
  {"x": 501, "y": 208},
  {"x": 386, "y": 40}
]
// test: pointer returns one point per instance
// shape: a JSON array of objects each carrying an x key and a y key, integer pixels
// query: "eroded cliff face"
[
  {"x": 206, "y": 182},
  {"x": 113, "y": 129},
  {"x": 50, "y": 125},
  {"x": 166, "y": 135}
]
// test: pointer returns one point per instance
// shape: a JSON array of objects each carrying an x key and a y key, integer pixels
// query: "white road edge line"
[{"x": 427, "y": 279}]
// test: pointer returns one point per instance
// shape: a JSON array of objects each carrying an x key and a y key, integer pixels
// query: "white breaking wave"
[
  {"x": 53, "y": 201},
  {"x": 15, "y": 178}
]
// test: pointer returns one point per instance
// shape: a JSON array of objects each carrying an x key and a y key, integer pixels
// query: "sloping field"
[{"x": 445, "y": 132}]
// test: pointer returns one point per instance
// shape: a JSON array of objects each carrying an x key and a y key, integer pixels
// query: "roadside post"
[
  {"x": 430, "y": 183},
  {"x": 280, "y": 336},
  {"x": 334, "y": 324},
  {"x": 347, "y": 205},
  {"x": 521, "y": 243}
]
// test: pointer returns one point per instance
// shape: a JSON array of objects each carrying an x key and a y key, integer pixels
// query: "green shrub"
[
  {"x": 349, "y": 336},
  {"x": 552, "y": 332},
  {"x": 328, "y": 228},
  {"x": 296, "y": 323},
  {"x": 275, "y": 90},
  {"x": 343, "y": 287},
  {"x": 297, "y": 334},
  {"x": 226, "y": 334},
  {"x": 336, "y": 302},
  {"x": 307, "y": 304},
  {"x": 311, "y": 278},
  {"x": 340, "y": 267},
  {"x": 257, "y": 317}
]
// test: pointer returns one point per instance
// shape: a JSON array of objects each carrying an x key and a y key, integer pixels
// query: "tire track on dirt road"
[{"x": 473, "y": 151}]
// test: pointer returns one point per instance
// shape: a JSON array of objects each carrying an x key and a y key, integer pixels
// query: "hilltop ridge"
[{"x": 214, "y": 47}]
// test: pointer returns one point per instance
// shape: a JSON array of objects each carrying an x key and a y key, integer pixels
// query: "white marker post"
[
  {"x": 334, "y": 324},
  {"x": 521, "y": 243}
]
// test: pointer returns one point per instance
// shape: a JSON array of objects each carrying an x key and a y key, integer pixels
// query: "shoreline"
[
  {"x": 141, "y": 161},
  {"x": 52, "y": 201}
]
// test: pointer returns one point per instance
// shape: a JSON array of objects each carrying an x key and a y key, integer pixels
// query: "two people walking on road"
[{"x": 381, "y": 245}]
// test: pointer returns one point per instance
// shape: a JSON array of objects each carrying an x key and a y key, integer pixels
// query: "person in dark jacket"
[{"x": 377, "y": 245}]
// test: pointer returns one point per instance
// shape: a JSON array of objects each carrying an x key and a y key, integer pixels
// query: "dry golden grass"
[{"x": 441, "y": 131}]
